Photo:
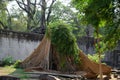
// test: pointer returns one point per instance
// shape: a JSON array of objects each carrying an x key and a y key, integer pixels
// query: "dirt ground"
[
  {"x": 12, "y": 71},
  {"x": 113, "y": 78}
]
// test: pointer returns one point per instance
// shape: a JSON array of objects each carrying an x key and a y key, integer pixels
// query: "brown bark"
[
  {"x": 43, "y": 21},
  {"x": 40, "y": 58},
  {"x": 49, "y": 11},
  {"x": 91, "y": 67}
]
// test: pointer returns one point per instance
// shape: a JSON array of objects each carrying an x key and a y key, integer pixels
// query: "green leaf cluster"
[
  {"x": 3, "y": 15},
  {"x": 63, "y": 39},
  {"x": 17, "y": 64},
  {"x": 94, "y": 57},
  {"x": 104, "y": 15},
  {"x": 8, "y": 60}
]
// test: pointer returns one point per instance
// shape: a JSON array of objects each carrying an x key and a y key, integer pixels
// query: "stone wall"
[
  {"x": 18, "y": 49},
  {"x": 17, "y": 44}
]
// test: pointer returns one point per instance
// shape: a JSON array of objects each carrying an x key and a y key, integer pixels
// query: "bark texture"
[{"x": 41, "y": 58}]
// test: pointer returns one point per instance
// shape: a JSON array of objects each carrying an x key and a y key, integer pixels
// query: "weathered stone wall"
[
  {"x": 17, "y": 44},
  {"x": 18, "y": 49}
]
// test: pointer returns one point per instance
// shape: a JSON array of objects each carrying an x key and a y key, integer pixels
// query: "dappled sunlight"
[
  {"x": 11, "y": 71},
  {"x": 6, "y": 70}
]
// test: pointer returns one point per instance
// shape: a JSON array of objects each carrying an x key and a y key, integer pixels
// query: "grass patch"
[
  {"x": 6, "y": 70},
  {"x": 10, "y": 70}
]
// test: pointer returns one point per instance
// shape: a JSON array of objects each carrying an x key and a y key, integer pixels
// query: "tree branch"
[
  {"x": 4, "y": 26},
  {"x": 19, "y": 4},
  {"x": 40, "y": 3},
  {"x": 49, "y": 11},
  {"x": 34, "y": 5}
]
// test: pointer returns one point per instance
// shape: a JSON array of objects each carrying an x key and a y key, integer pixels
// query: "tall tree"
[
  {"x": 45, "y": 14},
  {"x": 31, "y": 7}
]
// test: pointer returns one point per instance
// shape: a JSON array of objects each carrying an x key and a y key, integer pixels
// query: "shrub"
[
  {"x": 95, "y": 57},
  {"x": 64, "y": 40},
  {"x": 8, "y": 60},
  {"x": 17, "y": 64}
]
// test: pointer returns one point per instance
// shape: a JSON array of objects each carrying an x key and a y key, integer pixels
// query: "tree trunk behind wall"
[{"x": 43, "y": 21}]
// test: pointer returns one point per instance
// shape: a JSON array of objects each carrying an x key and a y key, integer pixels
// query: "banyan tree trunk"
[
  {"x": 40, "y": 56},
  {"x": 92, "y": 68}
]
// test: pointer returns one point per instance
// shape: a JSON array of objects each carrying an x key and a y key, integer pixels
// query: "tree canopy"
[
  {"x": 102, "y": 14},
  {"x": 30, "y": 16},
  {"x": 3, "y": 14}
]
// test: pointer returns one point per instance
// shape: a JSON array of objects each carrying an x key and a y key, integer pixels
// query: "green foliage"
[
  {"x": 63, "y": 39},
  {"x": 3, "y": 19},
  {"x": 8, "y": 60},
  {"x": 2, "y": 4},
  {"x": 101, "y": 47},
  {"x": 17, "y": 64},
  {"x": 18, "y": 20},
  {"x": 95, "y": 10},
  {"x": 103, "y": 16},
  {"x": 112, "y": 35},
  {"x": 20, "y": 73},
  {"x": 3, "y": 15},
  {"x": 69, "y": 15},
  {"x": 94, "y": 57},
  {"x": 17, "y": 26}
]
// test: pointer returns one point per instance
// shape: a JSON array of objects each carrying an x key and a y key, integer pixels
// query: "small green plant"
[
  {"x": 17, "y": 64},
  {"x": 8, "y": 60},
  {"x": 94, "y": 57}
]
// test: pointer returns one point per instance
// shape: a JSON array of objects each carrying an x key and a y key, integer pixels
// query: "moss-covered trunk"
[{"x": 64, "y": 56}]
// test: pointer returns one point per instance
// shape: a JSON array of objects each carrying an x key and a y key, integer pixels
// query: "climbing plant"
[{"x": 63, "y": 39}]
